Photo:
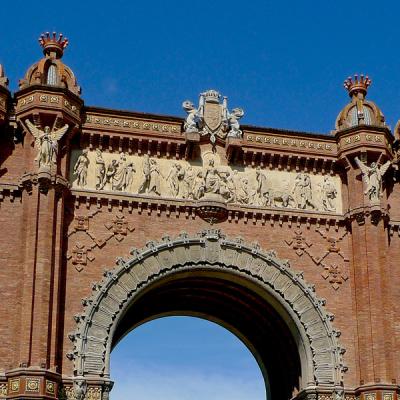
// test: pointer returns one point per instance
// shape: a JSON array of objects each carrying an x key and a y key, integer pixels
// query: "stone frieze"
[{"x": 206, "y": 177}]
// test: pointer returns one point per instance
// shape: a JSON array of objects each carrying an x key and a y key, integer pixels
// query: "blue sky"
[
  {"x": 283, "y": 62},
  {"x": 183, "y": 358}
]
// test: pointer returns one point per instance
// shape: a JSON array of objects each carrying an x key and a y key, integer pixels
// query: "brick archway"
[{"x": 209, "y": 256}]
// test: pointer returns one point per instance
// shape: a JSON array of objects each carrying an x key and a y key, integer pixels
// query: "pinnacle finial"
[
  {"x": 358, "y": 84},
  {"x": 53, "y": 44}
]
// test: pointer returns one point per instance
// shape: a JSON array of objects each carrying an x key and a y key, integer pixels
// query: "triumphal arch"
[{"x": 112, "y": 218}]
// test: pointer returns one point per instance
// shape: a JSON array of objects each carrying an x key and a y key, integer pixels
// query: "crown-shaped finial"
[
  {"x": 211, "y": 96},
  {"x": 52, "y": 44},
  {"x": 360, "y": 84}
]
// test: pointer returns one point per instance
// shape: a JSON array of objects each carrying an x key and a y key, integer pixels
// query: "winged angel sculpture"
[
  {"x": 372, "y": 177},
  {"x": 46, "y": 142}
]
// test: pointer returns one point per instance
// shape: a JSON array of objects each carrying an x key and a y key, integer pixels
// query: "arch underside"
[{"x": 252, "y": 293}]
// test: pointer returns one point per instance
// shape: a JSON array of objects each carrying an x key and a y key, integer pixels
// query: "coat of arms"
[{"x": 212, "y": 117}]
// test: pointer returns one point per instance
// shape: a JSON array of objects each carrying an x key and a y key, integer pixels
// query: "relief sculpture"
[{"x": 144, "y": 175}]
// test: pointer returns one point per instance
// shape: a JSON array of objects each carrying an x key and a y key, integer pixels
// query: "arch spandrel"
[{"x": 295, "y": 300}]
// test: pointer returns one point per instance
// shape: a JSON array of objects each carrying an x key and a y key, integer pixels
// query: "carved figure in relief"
[
  {"x": 372, "y": 177},
  {"x": 199, "y": 186},
  {"x": 100, "y": 170},
  {"x": 242, "y": 191},
  {"x": 119, "y": 179},
  {"x": 280, "y": 198},
  {"x": 130, "y": 170},
  {"x": 261, "y": 194},
  {"x": 225, "y": 189},
  {"x": 144, "y": 186},
  {"x": 174, "y": 176},
  {"x": 233, "y": 123},
  {"x": 211, "y": 178},
  {"x": 187, "y": 183},
  {"x": 46, "y": 143},
  {"x": 231, "y": 186},
  {"x": 154, "y": 184},
  {"x": 302, "y": 191},
  {"x": 328, "y": 194},
  {"x": 81, "y": 168},
  {"x": 110, "y": 172}
]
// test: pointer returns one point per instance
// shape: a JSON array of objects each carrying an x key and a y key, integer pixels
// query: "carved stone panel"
[{"x": 205, "y": 178}]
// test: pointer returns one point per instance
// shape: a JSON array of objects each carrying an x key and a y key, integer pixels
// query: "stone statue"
[
  {"x": 328, "y": 194},
  {"x": 372, "y": 177},
  {"x": 46, "y": 143},
  {"x": 194, "y": 119},
  {"x": 154, "y": 184},
  {"x": 144, "y": 186},
  {"x": 100, "y": 170},
  {"x": 233, "y": 123},
  {"x": 81, "y": 168}
]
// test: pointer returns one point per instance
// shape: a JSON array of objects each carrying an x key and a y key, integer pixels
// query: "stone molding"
[{"x": 209, "y": 249}]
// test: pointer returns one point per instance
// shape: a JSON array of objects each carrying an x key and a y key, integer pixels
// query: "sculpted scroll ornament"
[
  {"x": 372, "y": 177},
  {"x": 46, "y": 143}
]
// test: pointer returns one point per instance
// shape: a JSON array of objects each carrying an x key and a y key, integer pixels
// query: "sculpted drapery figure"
[
  {"x": 187, "y": 183},
  {"x": 154, "y": 184},
  {"x": 100, "y": 170},
  {"x": 175, "y": 174},
  {"x": 372, "y": 177},
  {"x": 212, "y": 179},
  {"x": 199, "y": 186},
  {"x": 46, "y": 143},
  {"x": 81, "y": 168},
  {"x": 302, "y": 191},
  {"x": 120, "y": 177},
  {"x": 328, "y": 194},
  {"x": 144, "y": 186},
  {"x": 260, "y": 196}
]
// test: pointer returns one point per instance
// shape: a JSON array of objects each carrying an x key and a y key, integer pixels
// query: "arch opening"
[
  {"x": 184, "y": 358},
  {"x": 252, "y": 293},
  {"x": 236, "y": 305}
]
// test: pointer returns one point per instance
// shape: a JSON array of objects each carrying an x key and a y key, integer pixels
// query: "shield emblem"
[{"x": 212, "y": 115}]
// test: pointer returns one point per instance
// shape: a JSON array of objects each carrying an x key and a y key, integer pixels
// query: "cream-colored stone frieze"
[
  {"x": 289, "y": 142},
  {"x": 132, "y": 124},
  {"x": 204, "y": 178}
]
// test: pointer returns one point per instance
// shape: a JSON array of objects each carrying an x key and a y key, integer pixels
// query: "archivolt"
[{"x": 323, "y": 364}]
